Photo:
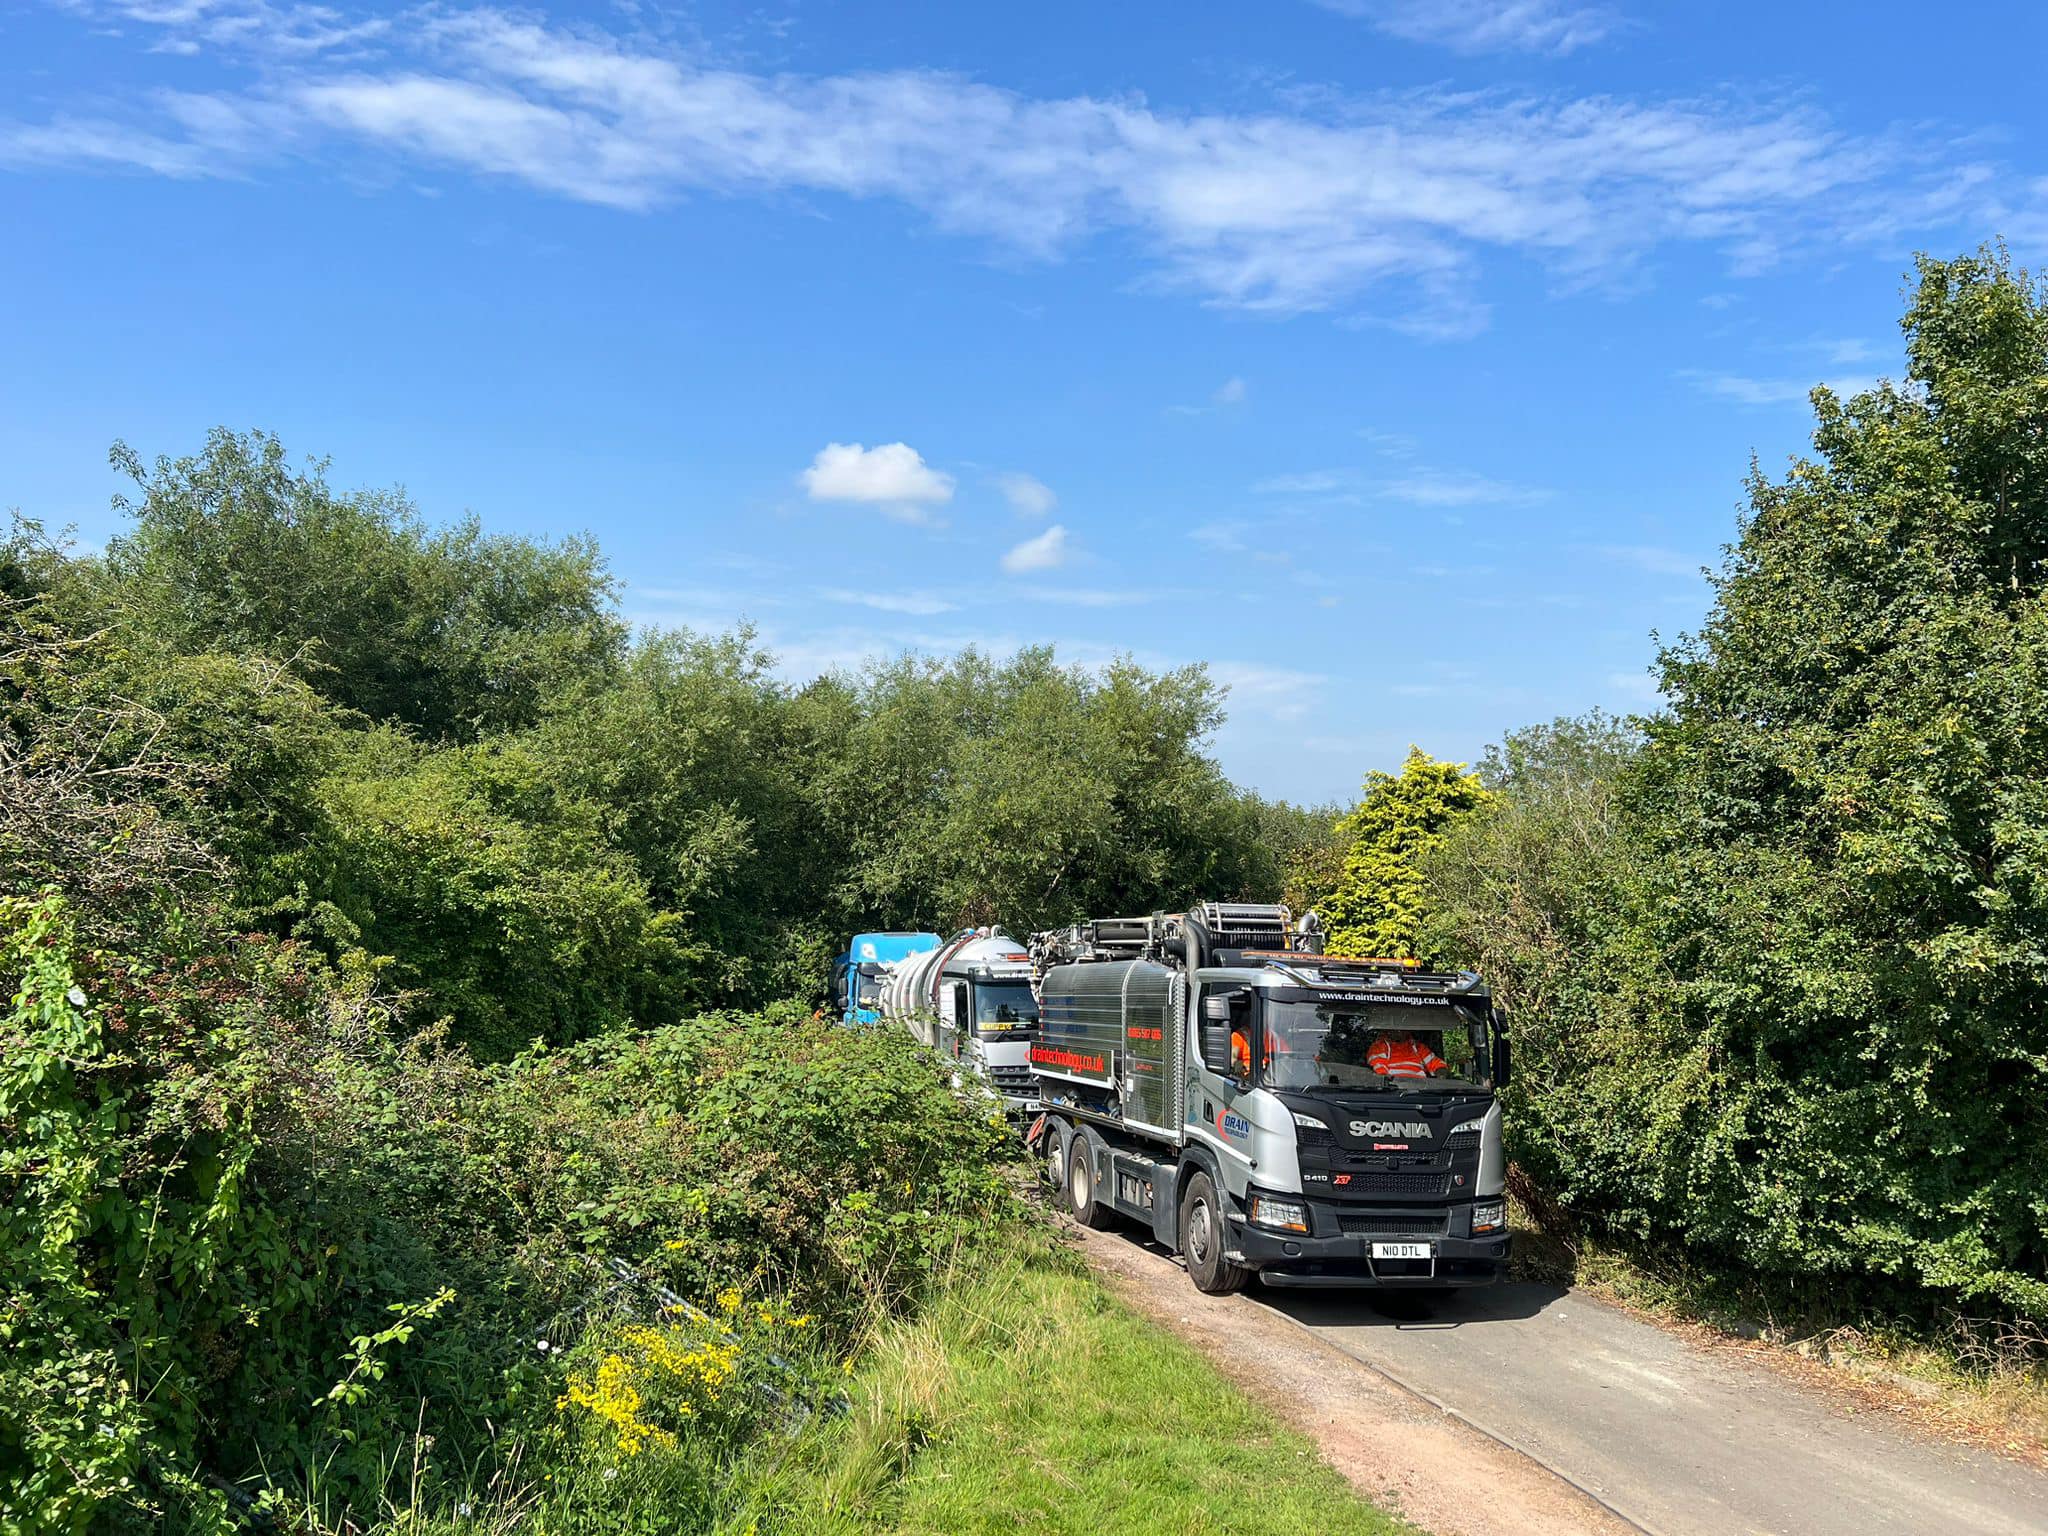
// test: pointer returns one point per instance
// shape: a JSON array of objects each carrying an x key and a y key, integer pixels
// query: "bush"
[
  {"x": 253, "y": 1242},
  {"x": 1796, "y": 1022}
]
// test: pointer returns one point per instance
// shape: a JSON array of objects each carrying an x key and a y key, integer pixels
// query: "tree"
[
  {"x": 1847, "y": 800},
  {"x": 1790, "y": 990},
  {"x": 1026, "y": 793},
  {"x": 454, "y": 633},
  {"x": 1379, "y": 903}
]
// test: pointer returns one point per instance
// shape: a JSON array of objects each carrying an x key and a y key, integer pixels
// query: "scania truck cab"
[
  {"x": 1266, "y": 1109},
  {"x": 971, "y": 999}
]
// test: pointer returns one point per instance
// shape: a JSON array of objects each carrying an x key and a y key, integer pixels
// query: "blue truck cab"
[{"x": 857, "y": 974}]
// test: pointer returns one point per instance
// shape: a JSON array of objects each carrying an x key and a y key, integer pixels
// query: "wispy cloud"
[
  {"x": 1028, "y": 495},
  {"x": 1227, "y": 537},
  {"x": 1231, "y": 392},
  {"x": 1395, "y": 200},
  {"x": 1314, "y": 482},
  {"x": 283, "y": 31},
  {"x": 1282, "y": 692},
  {"x": 1485, "y": 26},
  {"x": 1048, "y": 551},
  {"x": 1460, "y": 488},
  {"x": 918, "y": 604},
  {"x": 1089, "y": 597},
  {"x": 1389, "y": 445},
  {"x": 1746, "y": 390}
]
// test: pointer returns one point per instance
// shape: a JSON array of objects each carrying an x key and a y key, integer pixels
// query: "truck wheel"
[
  {"x": 1081, "y": 1198},
  {"x": 1056, "y": 1160},
  {"x": 1204, "y": 1236}
]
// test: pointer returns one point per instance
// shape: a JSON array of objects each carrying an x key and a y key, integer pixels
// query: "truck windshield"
[
  {"x": 1003, "y": 1007},
  {"x": 1387, "y": 1048}
]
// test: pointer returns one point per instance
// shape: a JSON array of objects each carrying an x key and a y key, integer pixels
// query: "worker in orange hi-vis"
[
  {"x": 1241, "y": 1050},
  {"x": 1398, "y": 1053}
]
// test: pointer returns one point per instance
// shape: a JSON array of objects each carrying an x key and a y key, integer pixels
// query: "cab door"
[{"x": 1225, "y": 1043}]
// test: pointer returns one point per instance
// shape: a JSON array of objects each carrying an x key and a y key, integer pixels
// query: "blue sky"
[{"x": 1399, "y": 360}]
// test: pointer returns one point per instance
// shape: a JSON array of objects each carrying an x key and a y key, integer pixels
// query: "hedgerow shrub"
[
  {"x": 252, "y": 1243},
  {"x": 1790, "y": 1012}
]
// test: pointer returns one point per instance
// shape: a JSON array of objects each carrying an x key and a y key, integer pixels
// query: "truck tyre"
[
  {"x": 1203, "y": 1237},
  {"x": 1088, "y": 1210},
  {"x": 1056, "y": 1160}
]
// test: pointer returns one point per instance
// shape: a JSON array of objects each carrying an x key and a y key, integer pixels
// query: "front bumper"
[{"x": 1328, "y": 1256}]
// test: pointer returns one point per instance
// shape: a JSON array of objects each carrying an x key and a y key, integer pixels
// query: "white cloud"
[
  {"x": 1745, "y": 390},
  {"x": 1229, "y": 394},
  {"x": 1314, "y": 482},
  {"x": 1392, "y": 445},
  {"x": 1458, "y": 488},
  {"x": 1280, "y": 209},
  {"x": 1281, "y": 692},
  {"x": 1227, "y": 537},
  {"x": 1046, "y": 552},
  {"x": 921, "y": 604},
  {"x": 1484, "y": 26},
  {"x": 286, "y": 31},
  {"x": 892, "y": 476},
  {"x": 1029, "y": 495},
  {"x": 1089, "y": 597}
]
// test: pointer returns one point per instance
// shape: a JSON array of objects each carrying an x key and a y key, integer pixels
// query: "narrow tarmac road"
[{"x": 1678, "y": 1439}]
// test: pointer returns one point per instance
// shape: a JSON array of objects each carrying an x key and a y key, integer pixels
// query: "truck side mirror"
[
  {"x": 959, "y": 1008},
  {"x": 1216, "y": 1032},
  {"x": 1501, "y": 1054},
  {"x": 1225, "y": 1014}
]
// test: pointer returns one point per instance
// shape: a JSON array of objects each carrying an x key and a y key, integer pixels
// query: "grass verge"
[{"x": 1028, "y": 1398}]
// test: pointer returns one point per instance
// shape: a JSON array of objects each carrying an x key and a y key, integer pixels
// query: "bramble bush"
[{"x": 251, "y": 1240}]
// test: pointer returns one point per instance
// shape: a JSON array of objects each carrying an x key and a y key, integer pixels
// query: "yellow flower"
[
  {"x": 613, "y": 1398},
  {"x": 729, "y": 1300},
  {"x": 675, "y": 1245}
]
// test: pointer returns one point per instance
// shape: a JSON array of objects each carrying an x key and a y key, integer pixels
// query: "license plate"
[{"x": 1401, "y": 1250}]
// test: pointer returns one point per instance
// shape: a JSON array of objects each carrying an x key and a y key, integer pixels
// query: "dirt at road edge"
[{"x": 1395, "y": 1448}]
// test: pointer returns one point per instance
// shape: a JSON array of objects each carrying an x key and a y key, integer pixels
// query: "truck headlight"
[
  {"x": 1489, "y": 1216},
  {"x": 1287, "y": 1215},
  {"x": 1310, "y": 1122}
]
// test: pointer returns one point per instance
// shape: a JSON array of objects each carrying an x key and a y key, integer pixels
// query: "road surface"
[{"x": 1675, "y": 1438}]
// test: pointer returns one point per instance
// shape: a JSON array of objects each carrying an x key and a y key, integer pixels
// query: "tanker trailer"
[{"x": 970, "y": 1000}]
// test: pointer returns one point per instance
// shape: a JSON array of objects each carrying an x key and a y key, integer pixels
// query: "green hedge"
[
  {"x": 250, "y": 1241},
  {"x": 1781, "y": 969}
]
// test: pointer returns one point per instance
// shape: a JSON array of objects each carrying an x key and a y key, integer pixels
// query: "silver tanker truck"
[
  {"x": 1267, "y": 1109},
  {"x": 970, "y": 999}
]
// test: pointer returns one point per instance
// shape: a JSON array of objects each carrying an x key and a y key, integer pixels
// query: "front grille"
[
  {"x": 1016, "y": 1082},
  {"x": 1393, "y": 1223},
  {"x": 1401, "y": 1186}
]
